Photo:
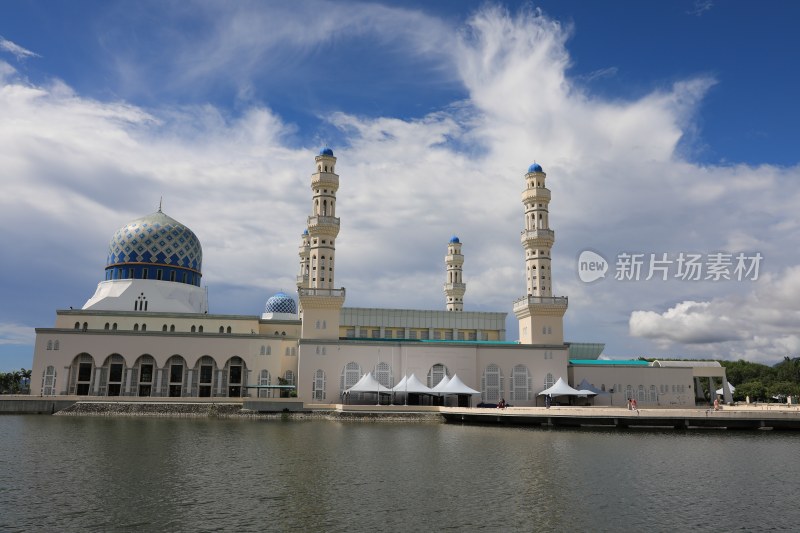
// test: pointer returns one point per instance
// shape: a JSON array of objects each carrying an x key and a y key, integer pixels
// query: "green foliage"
[
  {"x": 762, "y": 382},
  {"x": 15, "y": 382}
]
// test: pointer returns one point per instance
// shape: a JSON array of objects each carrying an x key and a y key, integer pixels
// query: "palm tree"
[{"x": 26, "y": 379}]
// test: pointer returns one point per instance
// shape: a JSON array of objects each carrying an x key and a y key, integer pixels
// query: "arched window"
[
  {"x": 318, "y": 386},
  {"x": 85, "y": 326},
  {"x": 289, "y": 352},
  {"x": 114, "y": 326},
  {"x": 172, "y": 328},
  {"x": 106, "y": 326},
  {"x": 437, "y": 374},
  {"x": 294, "y": 351},
  {"x": 351, "y": 373},
  {"x": 289, "y": 377},
  {"x": 55, "y": 345},
  {"x": 49, "y": 345},
  {"x": 264, "y": 379},
  {"x": 549, "y": 381},
  {"x": 492, "y": 383},
  {"x": 383, "y": 373},
  {"x": 229, "y": 329},
  {"x": 49, "y": 381},
  {"x": 317, "y": 325},
  {"x": 520, "y": 383},
  {"x": 193, "y": 329},
  {"x": 136, "y": 327},
  {"x": 222, "y": 329},
  {"x": 653, "y": 394},
  {"x": 200, "y": 329},
  {"x": 641, "y": 395},
  {"x": 269, "y": 350},
  {"x": 77, "y": 325},
  {"x": 263, "y": 350},
  {"x": 164, "y": 327},
  {"x": 628, "y": 392}
]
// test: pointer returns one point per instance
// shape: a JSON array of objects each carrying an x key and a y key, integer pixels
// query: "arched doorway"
[{"x": 81, "y": 372}]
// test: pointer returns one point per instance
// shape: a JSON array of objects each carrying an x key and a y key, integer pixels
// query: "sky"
[{"x": 668, "y": 132}]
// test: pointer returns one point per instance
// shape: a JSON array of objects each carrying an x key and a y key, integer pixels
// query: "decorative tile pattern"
[
  {"x": 156, "y": 239},
  {"x": 281, "y": 303}
]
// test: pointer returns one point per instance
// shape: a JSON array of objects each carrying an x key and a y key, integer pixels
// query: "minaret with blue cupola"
[
  {"x": 540, "y": 315},
  {"x": 454, "y": 287},
  {"x": 320, "y": 300}
]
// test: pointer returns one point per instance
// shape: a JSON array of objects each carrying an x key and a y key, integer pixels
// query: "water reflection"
[{"x": 101, "y": 474}]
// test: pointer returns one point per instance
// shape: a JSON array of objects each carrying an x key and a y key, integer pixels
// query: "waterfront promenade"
[{"x": 754, "y": 416}]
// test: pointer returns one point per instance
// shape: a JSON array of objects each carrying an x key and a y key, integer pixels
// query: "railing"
[
  {"x": 537, "y": 234},
  {"x": 455, "y": 286},
  {"x": 328, "y": 221},
  {"x": 321, "y": 292},
  {"x": 539, "y": 193},
  {"x": 302, "y": 279},
  {"x": 560, "y": 301}
]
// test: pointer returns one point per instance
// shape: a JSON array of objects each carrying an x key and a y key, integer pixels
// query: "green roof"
[{"x": 609, "y": 362}]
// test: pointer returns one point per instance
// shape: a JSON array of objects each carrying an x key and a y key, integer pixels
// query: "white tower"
[
  {"x": 320, "y": 302},
  {"x": 454, "y": 287},
  {"x": 541, "y": 316}
]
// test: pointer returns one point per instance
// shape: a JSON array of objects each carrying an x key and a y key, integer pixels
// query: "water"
[{"x": 117, "y": 474}]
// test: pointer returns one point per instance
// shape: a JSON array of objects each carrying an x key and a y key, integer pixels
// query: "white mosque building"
[{"x": 147, "y": 330}]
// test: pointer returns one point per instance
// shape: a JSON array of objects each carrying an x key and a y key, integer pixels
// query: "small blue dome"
[
  {"x": 326, "y": 151},
  {"x": 281, "y": 303},
  {"x": 454, "y": 240},
  {"x": 536, "y": 167},
  {"x": 305, "y": 231}
]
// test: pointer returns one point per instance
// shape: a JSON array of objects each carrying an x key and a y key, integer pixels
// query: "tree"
[{"x": 754, "y": 389}]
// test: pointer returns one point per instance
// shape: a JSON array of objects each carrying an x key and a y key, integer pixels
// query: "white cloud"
[
  {"x": 762, "y": 325},
  {"x": 16, "y": 50},
  {"x": 16, "y": 334},
  {"x": 76, "y": 168}
]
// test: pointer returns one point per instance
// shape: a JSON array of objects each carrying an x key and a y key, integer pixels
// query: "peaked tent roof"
[
  {"x": 456, "y": 386},
  {"x": 411, "y": 384},
  {"x": 586, "y": 386},
  {"x": 731, "y": 387},
  {"x": 442, "y": 384},
  {"x": 367, "y": 383},
  {"x": 560, "y": 388}
]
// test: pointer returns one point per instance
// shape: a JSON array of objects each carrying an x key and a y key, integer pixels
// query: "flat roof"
[{"x": 608, "y": 362}]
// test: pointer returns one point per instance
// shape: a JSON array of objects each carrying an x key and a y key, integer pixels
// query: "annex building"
[{"x": 147, "y": 330}]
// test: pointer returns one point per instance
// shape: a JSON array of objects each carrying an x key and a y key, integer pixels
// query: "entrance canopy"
[
  {"x": 585, "y": 386},
  {"x": 439, "y": 387}
]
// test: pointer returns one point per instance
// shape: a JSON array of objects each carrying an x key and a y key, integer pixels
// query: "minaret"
[
  {"x": 454, "y": 287},
  {"x": 304, "y": 251},
  {"x": 320, "y": 302},
  {"x": 541, "y": 316}
]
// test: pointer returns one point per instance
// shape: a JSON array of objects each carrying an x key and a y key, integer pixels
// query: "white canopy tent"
[
  {"x": 586, "y": 386},
  {"x": 561, "y": 388},
  {"x": 439, "y": 387},
  {"x": 456, "y": 386},
  {"x": 368, "y": 383},
  {"x": 731, "y": 388},
  {"x": 412, "y": 385}
]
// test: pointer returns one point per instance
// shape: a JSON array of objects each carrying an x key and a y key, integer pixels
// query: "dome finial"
[{"x": 160, "y": 199}]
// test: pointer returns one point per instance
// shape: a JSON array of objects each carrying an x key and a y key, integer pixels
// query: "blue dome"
[
  {"x": 305, "y": 231},
  {"x": 281, "y": 303},
  {"x": 454, "y": 240},
  {"x": 326, "y": 151},
  {"x": 536, "y": 167},
  {"x": 155, "y": 247}
]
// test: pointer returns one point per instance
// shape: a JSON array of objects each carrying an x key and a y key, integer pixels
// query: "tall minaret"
[
  {"x": 541, "y": 316},
  {"x": 454, "y": 287},
  {"x": 320, "y": 302}
]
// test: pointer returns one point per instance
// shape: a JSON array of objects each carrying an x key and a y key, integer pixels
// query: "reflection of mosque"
[{"x": 147, "y": 331}]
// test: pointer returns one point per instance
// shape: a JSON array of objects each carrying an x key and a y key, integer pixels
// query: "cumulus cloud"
[
  {"x": 76, "y": 168},
  {"x": 760, "y": 325}
]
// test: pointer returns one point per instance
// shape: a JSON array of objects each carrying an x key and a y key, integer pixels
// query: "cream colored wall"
[
  {"x": 156, "y": 321},
  {"x": 530, "y": 330},
  {"x": 612, "y": 376},
  {"x": 161, "y": 346},
  {"x": 466, "y": 360}
]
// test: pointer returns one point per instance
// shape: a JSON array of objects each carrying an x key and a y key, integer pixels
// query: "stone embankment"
[{"x": 235, "y": 410}]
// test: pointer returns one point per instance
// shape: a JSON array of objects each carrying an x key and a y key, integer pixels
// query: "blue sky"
[{"x": 665, "y": 127}]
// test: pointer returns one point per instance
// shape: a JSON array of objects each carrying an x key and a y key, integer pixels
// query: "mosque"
[{"x": 147, "y": 330}]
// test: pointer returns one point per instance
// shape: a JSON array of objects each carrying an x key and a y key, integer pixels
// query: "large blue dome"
[
  {"x": 454, "y": 240},
  {"x": 326, "y": 151},
  {"x": 536, "y": 167},
  {"x": 281, "y": 303},
  {"x": 156, "y": 247}
]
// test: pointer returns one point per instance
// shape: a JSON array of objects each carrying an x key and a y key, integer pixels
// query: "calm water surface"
[{"x": 117, "y": 474}]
